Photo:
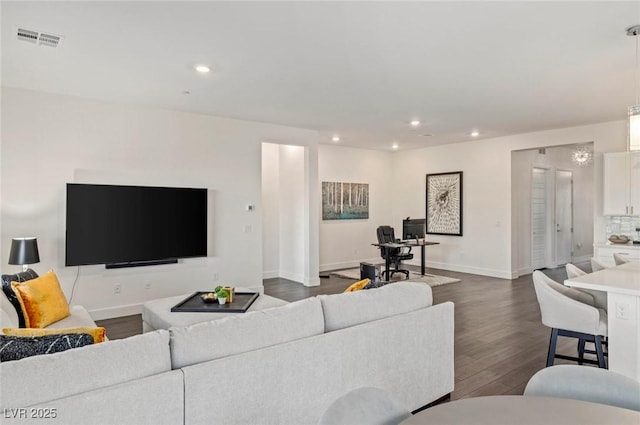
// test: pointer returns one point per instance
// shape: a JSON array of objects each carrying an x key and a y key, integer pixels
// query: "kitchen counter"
[{"x": 603, "y": 251}]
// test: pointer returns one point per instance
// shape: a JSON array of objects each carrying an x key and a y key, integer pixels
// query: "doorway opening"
[{"x": 552, "y": 208}]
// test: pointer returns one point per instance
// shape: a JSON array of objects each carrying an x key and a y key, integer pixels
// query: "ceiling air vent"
[{"x": 38, "y": 37}]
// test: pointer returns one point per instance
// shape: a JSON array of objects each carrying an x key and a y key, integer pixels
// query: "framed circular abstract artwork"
[{"x": 444, "y": 203}]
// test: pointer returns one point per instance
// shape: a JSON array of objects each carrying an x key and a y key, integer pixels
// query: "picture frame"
[
  {"x": 345, "y": 201},
  {"x": 444, "y": 203}
]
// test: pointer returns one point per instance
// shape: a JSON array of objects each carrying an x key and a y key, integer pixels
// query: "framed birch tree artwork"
[
  {"x": 344, "y": 201},
  {"x": 444, "y": 204}
]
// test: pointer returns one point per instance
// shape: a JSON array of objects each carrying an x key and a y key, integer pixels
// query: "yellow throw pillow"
[
  {"x": 358, "y": 285},
  {"x": 42, "y": 300},
  {"x": 98, "y": 333}
]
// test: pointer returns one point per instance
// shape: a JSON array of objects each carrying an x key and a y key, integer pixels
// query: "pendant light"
[
  {"x": 582, "y": 156},
  {"x": 634, "y": 111}
]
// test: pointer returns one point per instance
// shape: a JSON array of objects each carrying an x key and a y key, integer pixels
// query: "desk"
[
  {"x": 392, "y": 245},
  {"x": 622, "y": 285},
  {"x": 421, "y": 244},
  {"x": 522, "y": 410}
]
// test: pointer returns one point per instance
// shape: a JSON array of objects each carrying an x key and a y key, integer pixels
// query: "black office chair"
[{"x": 386, "y": 234}]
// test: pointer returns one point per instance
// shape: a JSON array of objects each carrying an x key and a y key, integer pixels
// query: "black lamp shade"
[{"x": 24, "y": 251}]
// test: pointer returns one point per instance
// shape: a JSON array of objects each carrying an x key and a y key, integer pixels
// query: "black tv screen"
[{"x": 120, "y": 225}]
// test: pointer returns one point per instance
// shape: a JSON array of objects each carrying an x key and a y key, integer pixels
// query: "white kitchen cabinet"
[
  {"x": 622, "y": 183},
  {"x": 603, "y": 252}
]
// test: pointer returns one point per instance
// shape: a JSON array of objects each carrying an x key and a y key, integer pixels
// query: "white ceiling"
[{"x": 358, "y": 69}]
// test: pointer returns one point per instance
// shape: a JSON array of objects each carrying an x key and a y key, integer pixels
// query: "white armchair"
[
  {"x": 586, "y": 384},
  {"x": 569, "y": 312},
  {"x": 599, "y": 297}
]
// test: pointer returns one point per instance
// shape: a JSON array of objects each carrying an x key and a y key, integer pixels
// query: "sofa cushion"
[
  {"x": 353, "y": 308},
  {"x": 245, "y": 332},
  {"x": 83, "y": 369},
  {"x": 11, "y": 296},
  {"x": 8, "y": 315},
  {"x": 98, "y": 333},
  {"x": 42, "y": 300},
  {"x": 20, "y": 347},
  {"x": 358, "y": 285},
  {"x": 79, "y": 317}
]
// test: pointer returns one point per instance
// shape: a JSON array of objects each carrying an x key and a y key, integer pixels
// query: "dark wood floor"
[{"x": 500, "y": 341}]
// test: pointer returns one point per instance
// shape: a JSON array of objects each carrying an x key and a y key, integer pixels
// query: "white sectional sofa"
[
  {"x": 78, "y": 317},
  {"x": 283, "y": 365}
]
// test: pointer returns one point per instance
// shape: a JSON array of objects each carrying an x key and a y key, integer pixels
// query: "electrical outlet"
[
  {"x": 622, "y": 311},
  {"x": 147, "y": 285},
  {"x": 247, "y": 228},
  {"x": 117, "y": 288},
  {"x": 215, "y": 277}
]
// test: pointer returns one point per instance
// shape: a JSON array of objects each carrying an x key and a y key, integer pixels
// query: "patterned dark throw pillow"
[
  {"x": 19, "y": 347},
  {"x": 378, "y": 284},
  {"x": 8, "y": 290}
]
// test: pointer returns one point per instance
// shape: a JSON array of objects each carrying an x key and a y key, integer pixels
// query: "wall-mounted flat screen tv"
[{"x": 123, "y": 226}]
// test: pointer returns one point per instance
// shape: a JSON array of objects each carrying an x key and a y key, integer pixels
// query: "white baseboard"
[
  {"x": 502, "y": 274},
  {"x": 582, "y": 258},
  {"x": 306, "y": 281},
  {"x": 270, "y": 275},
  {"x": 349, "y": 264},
  {"x": 524, "y": 271},
  {"x": 310, "y": 281},
  {"x": 292, "y": 276},
  {"x": 119, "y": 311}
]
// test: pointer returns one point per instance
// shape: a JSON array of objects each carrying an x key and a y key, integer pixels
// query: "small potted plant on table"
[{"x": 222, "y": 295}]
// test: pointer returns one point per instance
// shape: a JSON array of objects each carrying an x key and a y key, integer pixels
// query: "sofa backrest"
[
  {"x": 353, "y": 308},
  {"x": 410, "y": 356},
  {"x": 245, "y": 332},
  {"x": 39, "y": 379}
]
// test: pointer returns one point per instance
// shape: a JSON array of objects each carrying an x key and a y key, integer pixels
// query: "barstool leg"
[
  {"x": 600, "y": 352},
  {"x": 552, "y": 347},
  {"x": 581, "y": 344}
]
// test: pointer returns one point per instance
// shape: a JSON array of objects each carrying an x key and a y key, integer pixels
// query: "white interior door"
[
  {"x": 538, "y": 217},
  {"x": 564, "y": 216}
]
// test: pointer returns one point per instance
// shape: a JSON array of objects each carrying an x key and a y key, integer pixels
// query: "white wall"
[
  {"x": 50, "y": 140},
  {"x": 489, "y": 231},
  {"x": 285, "y": 196},
  {"x": 558, "y": 158},
  {"x": 292, "y": 249},
  {"x": 345, "y": 243},
  {"x": 270, "y": 210}
]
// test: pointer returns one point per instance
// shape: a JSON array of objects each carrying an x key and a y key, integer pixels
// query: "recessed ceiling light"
[
  {"x": 203, "y": 69},
  {"x": 335, "y": 139},
  {"x": 395, "y": 146},
  {"x": 414, "y": 123},
  {"x": 474, "y": 134}
]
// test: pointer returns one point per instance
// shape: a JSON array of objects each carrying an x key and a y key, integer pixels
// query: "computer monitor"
[{"x": 413, "y": 228}]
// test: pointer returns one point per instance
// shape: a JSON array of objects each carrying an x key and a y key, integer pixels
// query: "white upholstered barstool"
[
  {"x": 569, "y": 312},
  {"x": 586, "y": 384},
  {"x": 620, "y": 259},
  {"x": 599, "y": 297},
  {"x": 365, "y": 405},
  {"x": 596, "y": 265}
]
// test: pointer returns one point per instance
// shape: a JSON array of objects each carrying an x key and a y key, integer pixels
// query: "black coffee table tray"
[{"x": 194, "y": 304}]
